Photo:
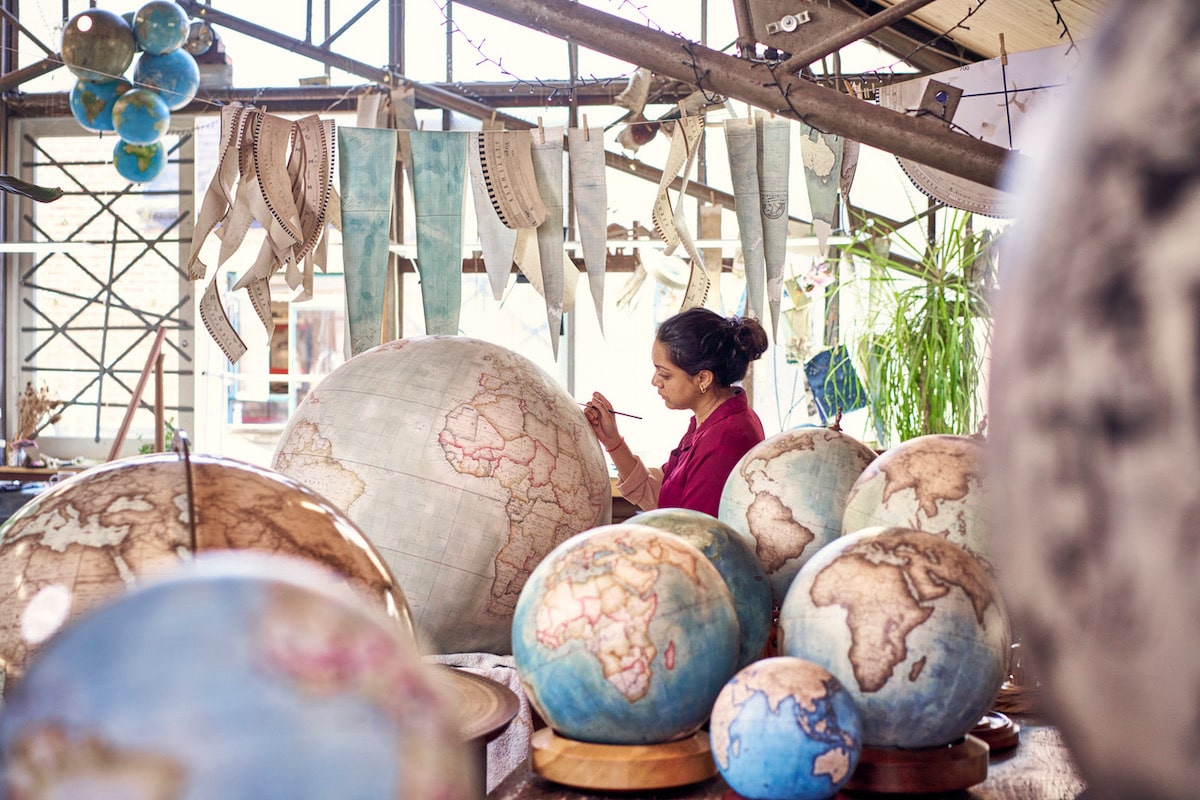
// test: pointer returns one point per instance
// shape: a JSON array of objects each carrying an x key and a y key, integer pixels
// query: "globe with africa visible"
[
  {"x": 910, "y": 623},
  {"x": 625, "y": 634},
  {"x": 463, "y": 462}
]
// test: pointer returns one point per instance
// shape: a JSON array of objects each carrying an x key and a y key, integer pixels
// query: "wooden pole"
[
  {"x": 160, "y": 420},
  {"x": 136, "y": 399}
]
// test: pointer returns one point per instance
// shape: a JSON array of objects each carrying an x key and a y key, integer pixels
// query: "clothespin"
[
  {"x": 541, "y": 132},
  {"x": 493, "y": 116},
  {"x": 421, "y": 125},
  {"x": 587, "y": 136},
  {"x": 1003, "y": 52},
  {"x": 682, "y": 113}
]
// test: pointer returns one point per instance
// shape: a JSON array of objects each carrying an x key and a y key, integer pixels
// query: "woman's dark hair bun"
[{"x": 750, "y": 336}]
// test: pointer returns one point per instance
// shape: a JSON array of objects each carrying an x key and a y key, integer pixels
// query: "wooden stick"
[
  {"x": 136, "y": 399},
  {"x": 160, "y": 419}
]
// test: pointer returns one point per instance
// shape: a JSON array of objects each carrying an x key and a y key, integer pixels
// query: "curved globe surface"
[
  {"x": 97, "y": 45},
  {"x": 785, "y": 728},
  {"x": 463, "y": 462},
  {"x": 92, "y": 102},
  {"x": 89, "y": 538},
  {"x": 932, "y": 483},
  {"x": 140, "y": 163},
  {"x": 242, "y": 677},
  {"x": 624, "y": 634},
  {"x": 787, "y": 496},
  {"x": 734, "y": 558},
  {"x": 174, "y": 75},
  {"x": 910, "y": 623},
  {"x": 140, "y": 116},
  {"x": 161, "y": 26}
]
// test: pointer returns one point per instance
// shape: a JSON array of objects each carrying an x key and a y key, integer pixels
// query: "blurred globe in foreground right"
[
  {"x": 245, "y": 676},
  {"x": 1095, "y": 410}
]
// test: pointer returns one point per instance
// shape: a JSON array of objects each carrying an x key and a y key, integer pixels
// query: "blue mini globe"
[
  {"x": 140, "y": 163},
  {"x": 97, "y": 45},
  {"x": 92, "y": 102},
  {"x": 160, "y": 26},
  {"x": 785, "y": 729},
  {"x": 624, "y": 634},
  {"x": 174, "y": 75},
  {"x": 734, "y": 558},
  {"x": 140, "y": 116}
]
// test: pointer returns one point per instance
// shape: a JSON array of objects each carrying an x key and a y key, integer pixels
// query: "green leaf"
[{"x": 41, "y": 194}]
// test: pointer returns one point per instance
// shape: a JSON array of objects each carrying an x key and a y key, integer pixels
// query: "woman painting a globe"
[{"x": 698, "y": 358}]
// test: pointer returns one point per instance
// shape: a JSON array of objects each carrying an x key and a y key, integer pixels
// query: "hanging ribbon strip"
[
  {"x": 773, "y": 165},
  {"x": 849, "y": 167},
  {"x": 669, "y": 222},
  {"x": 547, "y": 168},
  {"x": 497, "y": 239},
  {"x": 366, "y": 221},
  {"x": 590, "y": 191},
  {"x": 741, "y": 141},
  {"x": 278, "y": 173},
  {"x": 822, "y": 157},
  {"x": 439, "y": 160},
  {"x": 506, "y": 158}
]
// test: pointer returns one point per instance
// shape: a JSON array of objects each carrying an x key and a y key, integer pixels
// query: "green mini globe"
[
  {"x": 624, "y": 634},
  {"x": 785, "y": 729},
  {"x": 910, "y": 623}
]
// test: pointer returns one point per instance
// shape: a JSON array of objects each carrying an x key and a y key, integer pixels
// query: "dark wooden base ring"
[
  {"x": 621, "y": 768},
  {"x": 893, "y": 770},
  {"x": 998, "y": 731}
]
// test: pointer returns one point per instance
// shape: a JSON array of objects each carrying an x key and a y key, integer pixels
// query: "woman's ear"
[{"x": 704, "y": 380}]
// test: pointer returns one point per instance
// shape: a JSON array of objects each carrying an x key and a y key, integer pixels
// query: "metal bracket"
[
  {"x": 788, "y": 22},
  {"x": 940, "y": 100}
]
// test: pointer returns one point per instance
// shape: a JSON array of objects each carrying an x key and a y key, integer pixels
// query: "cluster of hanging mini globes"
[{"x": 98, "y": 46}]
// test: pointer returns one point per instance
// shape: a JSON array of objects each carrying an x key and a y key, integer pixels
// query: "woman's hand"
[{"x": 598, "y": 412}]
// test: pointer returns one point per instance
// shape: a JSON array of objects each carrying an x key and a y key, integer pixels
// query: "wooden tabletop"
[{"x": 1039, "y": 768}]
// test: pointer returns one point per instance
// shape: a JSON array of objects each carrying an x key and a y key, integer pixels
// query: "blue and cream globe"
[
  {"x": 92, "y": 102},
  {"x": 161, "y": 26},
  {"x": 785, "y": 729},
  {"x": 140, "y": 116},
  {"x": 140, "y": 163},
  {"x": 174, "y": 75},
  {"x": 910, "y": 623},
  {"x": 787, "y": 496},
  {"x": 734, "y": 558},
  {"x": 625, "y": 634},
  {"x": 244, "y": 676}
]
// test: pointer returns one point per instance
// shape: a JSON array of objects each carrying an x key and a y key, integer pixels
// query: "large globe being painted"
[
  {"x": 463, "y": 462},
  {"x": 910, "y": 623},
  {"x": 734, "y": 558},
  {"x": 932, "y": 483},
  {"x": 625, "y": 634},
  {"x": 92, "y": 537},
  {"x": 786, "y": 729},
  {"x": 250, "y": 676},
  {"x": 787, "y": 496}
]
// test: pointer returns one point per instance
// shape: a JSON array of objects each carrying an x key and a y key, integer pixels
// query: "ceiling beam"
[{"x": 921, "y": 139}]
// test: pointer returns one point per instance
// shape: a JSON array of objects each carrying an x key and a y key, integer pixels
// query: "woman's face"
[{"x": 677, "y": 389}]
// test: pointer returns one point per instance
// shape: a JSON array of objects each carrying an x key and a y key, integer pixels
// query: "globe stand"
[
  {"x": 894, "y": 770},
  {"x": 620, "y": 767},
  {"x": 998, "y": 731}
]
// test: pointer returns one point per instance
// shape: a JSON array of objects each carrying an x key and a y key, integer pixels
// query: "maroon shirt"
[{"x": 697, "y": 469}]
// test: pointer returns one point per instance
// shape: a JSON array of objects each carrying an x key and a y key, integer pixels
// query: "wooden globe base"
[
  {"x": 998, "y": 731},
  {"x": 892, "y": 770},
  {"x": 619, "y": 767}
]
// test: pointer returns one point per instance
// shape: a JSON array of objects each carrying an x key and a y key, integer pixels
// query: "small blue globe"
[
  {"x": 624, "y": 634},
  {"x": 174, "y": 75},
  {"x": 785, "y": 729},
  {"x": 160, "y": 26},
  {"x": 140, "y": 163},
  {"x": 92, "y": 102},
  {"x": 140, "y": 116}
]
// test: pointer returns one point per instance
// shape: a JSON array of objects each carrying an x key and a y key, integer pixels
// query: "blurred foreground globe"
[
  {"x": 911, "y": 624},
  {"x": 933, "y": 483},
  {"x": 161, "y": 26},
  {"x": 140, "y": 163},
  {"x": 92, "y": 537},
  {"x": 174, "y": 75},
  {"x": 625, "y": 634},
  {"x": 463, "y": 462},
  {"x": 140, "y": 116},
  {"x": 97, "y": 45},
  {"x": 785, "y": 729},
  {"x": 787, "y": 496},
  {"x": 734, "y": 558},
  {"x": 247, "y": 676},
  {"x": 92, "y": 102}
]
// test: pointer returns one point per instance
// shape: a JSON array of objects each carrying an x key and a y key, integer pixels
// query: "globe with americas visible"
[
  {"x": 463, "y": 462},
  {"x": 241, "y": 675},
  {"x": 140, "y": 116},
  {"x": 785, "y": 729},
  {"x": 734, "y": 558},
  {"x": 933, "y": 483},
  {"x": 90, "y": 538},
  {"x": 92, "y": 102},
  {"x": 787, "y": 496},
  {"x": 97, "y": 45},
  {"x": 624, "y": 635},
  {"x": 174, "y": 75},
  {"x": 910, "y": 623},
  {"x": 140, "y": 163}
]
